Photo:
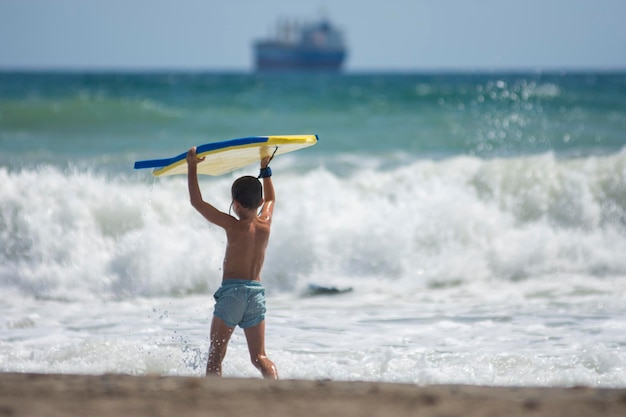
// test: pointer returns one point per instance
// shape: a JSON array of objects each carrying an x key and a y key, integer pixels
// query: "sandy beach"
[{"x": 124, "y": 395}]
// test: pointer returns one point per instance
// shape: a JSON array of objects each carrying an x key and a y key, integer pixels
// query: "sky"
[{"x": 394, "y": 35}]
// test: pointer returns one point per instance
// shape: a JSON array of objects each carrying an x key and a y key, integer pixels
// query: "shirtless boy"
[{"x": 240, "y": 301}]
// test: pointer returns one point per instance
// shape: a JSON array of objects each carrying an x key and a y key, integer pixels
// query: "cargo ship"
[{"x": 316, "y": 46}]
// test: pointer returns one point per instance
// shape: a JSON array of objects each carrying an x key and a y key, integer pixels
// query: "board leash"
[{"x": 272, "y": 157}]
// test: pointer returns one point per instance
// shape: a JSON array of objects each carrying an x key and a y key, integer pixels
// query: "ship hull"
[{"x": 271, "y": 56}]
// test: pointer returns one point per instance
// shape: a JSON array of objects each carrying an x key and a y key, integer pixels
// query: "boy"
[{"x": 241, "y": 298}]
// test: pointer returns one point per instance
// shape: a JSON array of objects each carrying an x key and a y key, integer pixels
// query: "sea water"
[{"x": 479, "y": 219}]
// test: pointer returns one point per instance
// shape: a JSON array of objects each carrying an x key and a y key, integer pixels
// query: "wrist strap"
[{"x": 265, "y": 172}]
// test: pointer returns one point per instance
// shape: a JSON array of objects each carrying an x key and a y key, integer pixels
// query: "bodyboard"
[{"x": 229, "y": 155}]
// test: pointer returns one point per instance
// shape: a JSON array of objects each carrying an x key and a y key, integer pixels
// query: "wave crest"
[{"x": 80, "y": 234}]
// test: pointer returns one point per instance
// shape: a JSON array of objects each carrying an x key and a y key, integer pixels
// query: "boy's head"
[{"x": 248, "y": 192}]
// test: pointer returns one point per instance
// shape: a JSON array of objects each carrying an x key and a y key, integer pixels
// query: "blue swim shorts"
[{"x": 240, "y": 302}]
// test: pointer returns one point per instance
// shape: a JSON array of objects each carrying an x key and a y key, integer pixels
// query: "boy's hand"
[
  {"x": 265, "y": 162},
  {"x": 192, "y": 158}
]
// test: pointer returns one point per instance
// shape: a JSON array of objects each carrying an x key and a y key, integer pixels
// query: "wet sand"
[{"x": 152, "y": 396}]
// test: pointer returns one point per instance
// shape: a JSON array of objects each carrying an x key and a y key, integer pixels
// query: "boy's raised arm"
[
  {"x": 195, "y": 195},
  {"x": 268, "y": 193}
]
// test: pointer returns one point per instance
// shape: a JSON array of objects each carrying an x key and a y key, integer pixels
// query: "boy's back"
[{"x": 245, "y": 250}]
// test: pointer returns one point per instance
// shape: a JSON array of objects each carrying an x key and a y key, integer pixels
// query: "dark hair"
[{"x": 248, "y": 191}]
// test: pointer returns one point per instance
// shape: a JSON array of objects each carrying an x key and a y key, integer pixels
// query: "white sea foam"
[{"x": 78, "y": 234}]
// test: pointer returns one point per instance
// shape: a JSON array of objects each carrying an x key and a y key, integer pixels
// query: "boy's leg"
[
  {"x": 220, "y": 335},
  {"x": 256, "y": 345}
]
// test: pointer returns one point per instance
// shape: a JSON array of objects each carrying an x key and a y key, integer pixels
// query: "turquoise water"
[
  {"x": 423, "y": 115},
  {"x": 479, "y": 218}
]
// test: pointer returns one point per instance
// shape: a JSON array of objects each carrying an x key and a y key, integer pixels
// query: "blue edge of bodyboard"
[{"x": 159, "y": 163}]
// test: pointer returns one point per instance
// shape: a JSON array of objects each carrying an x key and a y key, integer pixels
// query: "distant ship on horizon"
[{"x": 314, "y": 46}]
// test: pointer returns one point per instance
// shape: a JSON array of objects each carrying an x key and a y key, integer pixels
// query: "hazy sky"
[{"x": 389, "y": 34}]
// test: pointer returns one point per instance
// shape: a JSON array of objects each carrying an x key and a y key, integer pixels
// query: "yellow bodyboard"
[{"x": 229, "y": 155}]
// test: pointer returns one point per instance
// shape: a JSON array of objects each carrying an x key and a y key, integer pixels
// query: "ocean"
[{"x": 479, "y": 219}]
